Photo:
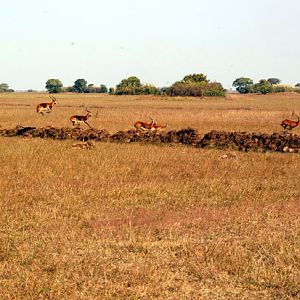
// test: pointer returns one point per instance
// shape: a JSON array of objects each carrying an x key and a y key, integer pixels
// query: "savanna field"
[{"x": 137, "y": 221}]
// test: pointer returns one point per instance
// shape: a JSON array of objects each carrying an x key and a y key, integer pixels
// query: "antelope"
[
  {"x": 289, "y": 124},
  {"x": 77, "y": 120},
  {"x": 157, "y": 127},
  {"x": 46, "y": 107},
  {"x": 144, "y": 125}
]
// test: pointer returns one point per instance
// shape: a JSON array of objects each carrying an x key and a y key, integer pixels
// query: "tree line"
[
  {"x": 80, "y": 86},
  {"x": 191, "y": 85},
  {"x": 195, "y": 85},
  {"x": 245, "y": 85}
]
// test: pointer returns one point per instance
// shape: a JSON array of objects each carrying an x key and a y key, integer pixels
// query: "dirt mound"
[
  {"x": 242, "y": 141},
  {"x": 245, "y": 141}
]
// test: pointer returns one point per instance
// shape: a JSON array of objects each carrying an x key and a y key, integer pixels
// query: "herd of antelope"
[
  {"x": 76, "y": 120},
  {"x": 139, "y": 125}
]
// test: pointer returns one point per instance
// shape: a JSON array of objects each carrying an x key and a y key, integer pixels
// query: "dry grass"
[
  {"x": 148, "y": 222},
  {"x": 234, "y": 113}
]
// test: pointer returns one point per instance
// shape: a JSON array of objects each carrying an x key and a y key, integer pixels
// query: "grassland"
[{"x": 144, "y": 221}]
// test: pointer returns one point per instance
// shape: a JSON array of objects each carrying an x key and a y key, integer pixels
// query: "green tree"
[
  {"x": 4, "y": 88},
  {"x": 111, "y": 91},
  {"x": 195, "y": 78},
  {"x": 130, "y": 86},
  {"x": 80, "y": 86},
  {"x": 214, "y": 89},
  {"x": 132, "y": 81},
  {"x": 274, "y": 80},
  {"x": 243, "y": 85},
  {"x": 149, "y": 89},
  {"x": 263, "y": 86},
  {"x": 103, "y": 88},
  {"x": 67, "y": 89},
  {"x": 90, "y": 88},
  {"x": 54, "y": 86}
]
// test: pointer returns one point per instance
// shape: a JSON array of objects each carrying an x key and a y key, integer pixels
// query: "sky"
[{"x": 159, "y": 41}]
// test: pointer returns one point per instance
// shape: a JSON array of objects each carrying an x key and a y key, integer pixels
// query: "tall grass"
[{"x": 143, "y": 221}]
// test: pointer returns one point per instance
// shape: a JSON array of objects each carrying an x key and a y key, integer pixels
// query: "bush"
[
  {"x": 281, "y": 88},
  {"x": 180, "y": 88},
  {"x": 68, "y": 89},
  {"x": 263, "y": 87},
  {"x": 149, "y": 89},
  {"x": 132, "y": 86},
  {"x": 194, "y": 89},
  {"x": 214, "y": 89}
]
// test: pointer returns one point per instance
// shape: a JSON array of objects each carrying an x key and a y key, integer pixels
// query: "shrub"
[
  {"x": 132, "y": 86},
  {"x": 181, "y": 88},
  {"x": 280, "y": 88},
  {"x": 263, "y": 86},
  {"x": 196, "y": 89},
  {"x": 214, "y": 89}
]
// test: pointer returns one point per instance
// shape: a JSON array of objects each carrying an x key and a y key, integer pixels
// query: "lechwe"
[
  {"x": 46, "y": 107},
  {"x": 78, "y": 119},
  {"x": 289, "y": 124},
  {"x": 143, "y": 125}
]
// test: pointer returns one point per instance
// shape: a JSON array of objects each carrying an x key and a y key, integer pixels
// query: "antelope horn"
[
  {"x": 151, "y": 119},
  {"x": 53, "y": 98},
  {"x": 86, "y": 108}
]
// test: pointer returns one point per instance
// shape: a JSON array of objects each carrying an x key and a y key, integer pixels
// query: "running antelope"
[
  {"x": 46, "y": 107},
  {"x": 156, "y": 127},
  {"x": 289, "y": 124},
  {"x": 143, "y": 125},
  {"x": 77, "y": 120}
]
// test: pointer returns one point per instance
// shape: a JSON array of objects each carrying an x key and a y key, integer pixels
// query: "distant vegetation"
[
  {"x": 133, "y": 86},
  {"x": 4, "y": 88},
  {"x": 245, "y": 85},
  {"x": 196, "y": 85},
  {"x": 80, "y": 86},
  {"x": 192, "y": 85}
]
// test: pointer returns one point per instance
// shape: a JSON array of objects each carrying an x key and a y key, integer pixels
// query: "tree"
[
  {"x": 103, "y": 88},
  {"x": 132, "y": 81},
  {"x": 130, "y": 86},
  {"x": 274, "y": 80},
  {"x": 243, "y": 85},
  {"x": 111, "y": 91},
  {"x": 54, "y": 86},
  {"x": 263, "y": 86},
  {"x": 297, "y": 85},
  {"x": 4, "y": 88},
  {"x": 149, "y": 89},
  {"x": 195, "y": 78},
  {"x": 80, "y": 86}
]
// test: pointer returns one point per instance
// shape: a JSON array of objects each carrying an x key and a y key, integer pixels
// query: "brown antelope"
[
  {"x": 46, "y": 107},
  {"x": 77, "y": 120},
  {"x": 156, "y": 127},
  {"x": 289, "y": 124},
  {"x": 143, "y": 125}
]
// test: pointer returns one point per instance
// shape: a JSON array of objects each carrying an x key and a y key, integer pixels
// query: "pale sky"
[{"x": 159, "y": 41}]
